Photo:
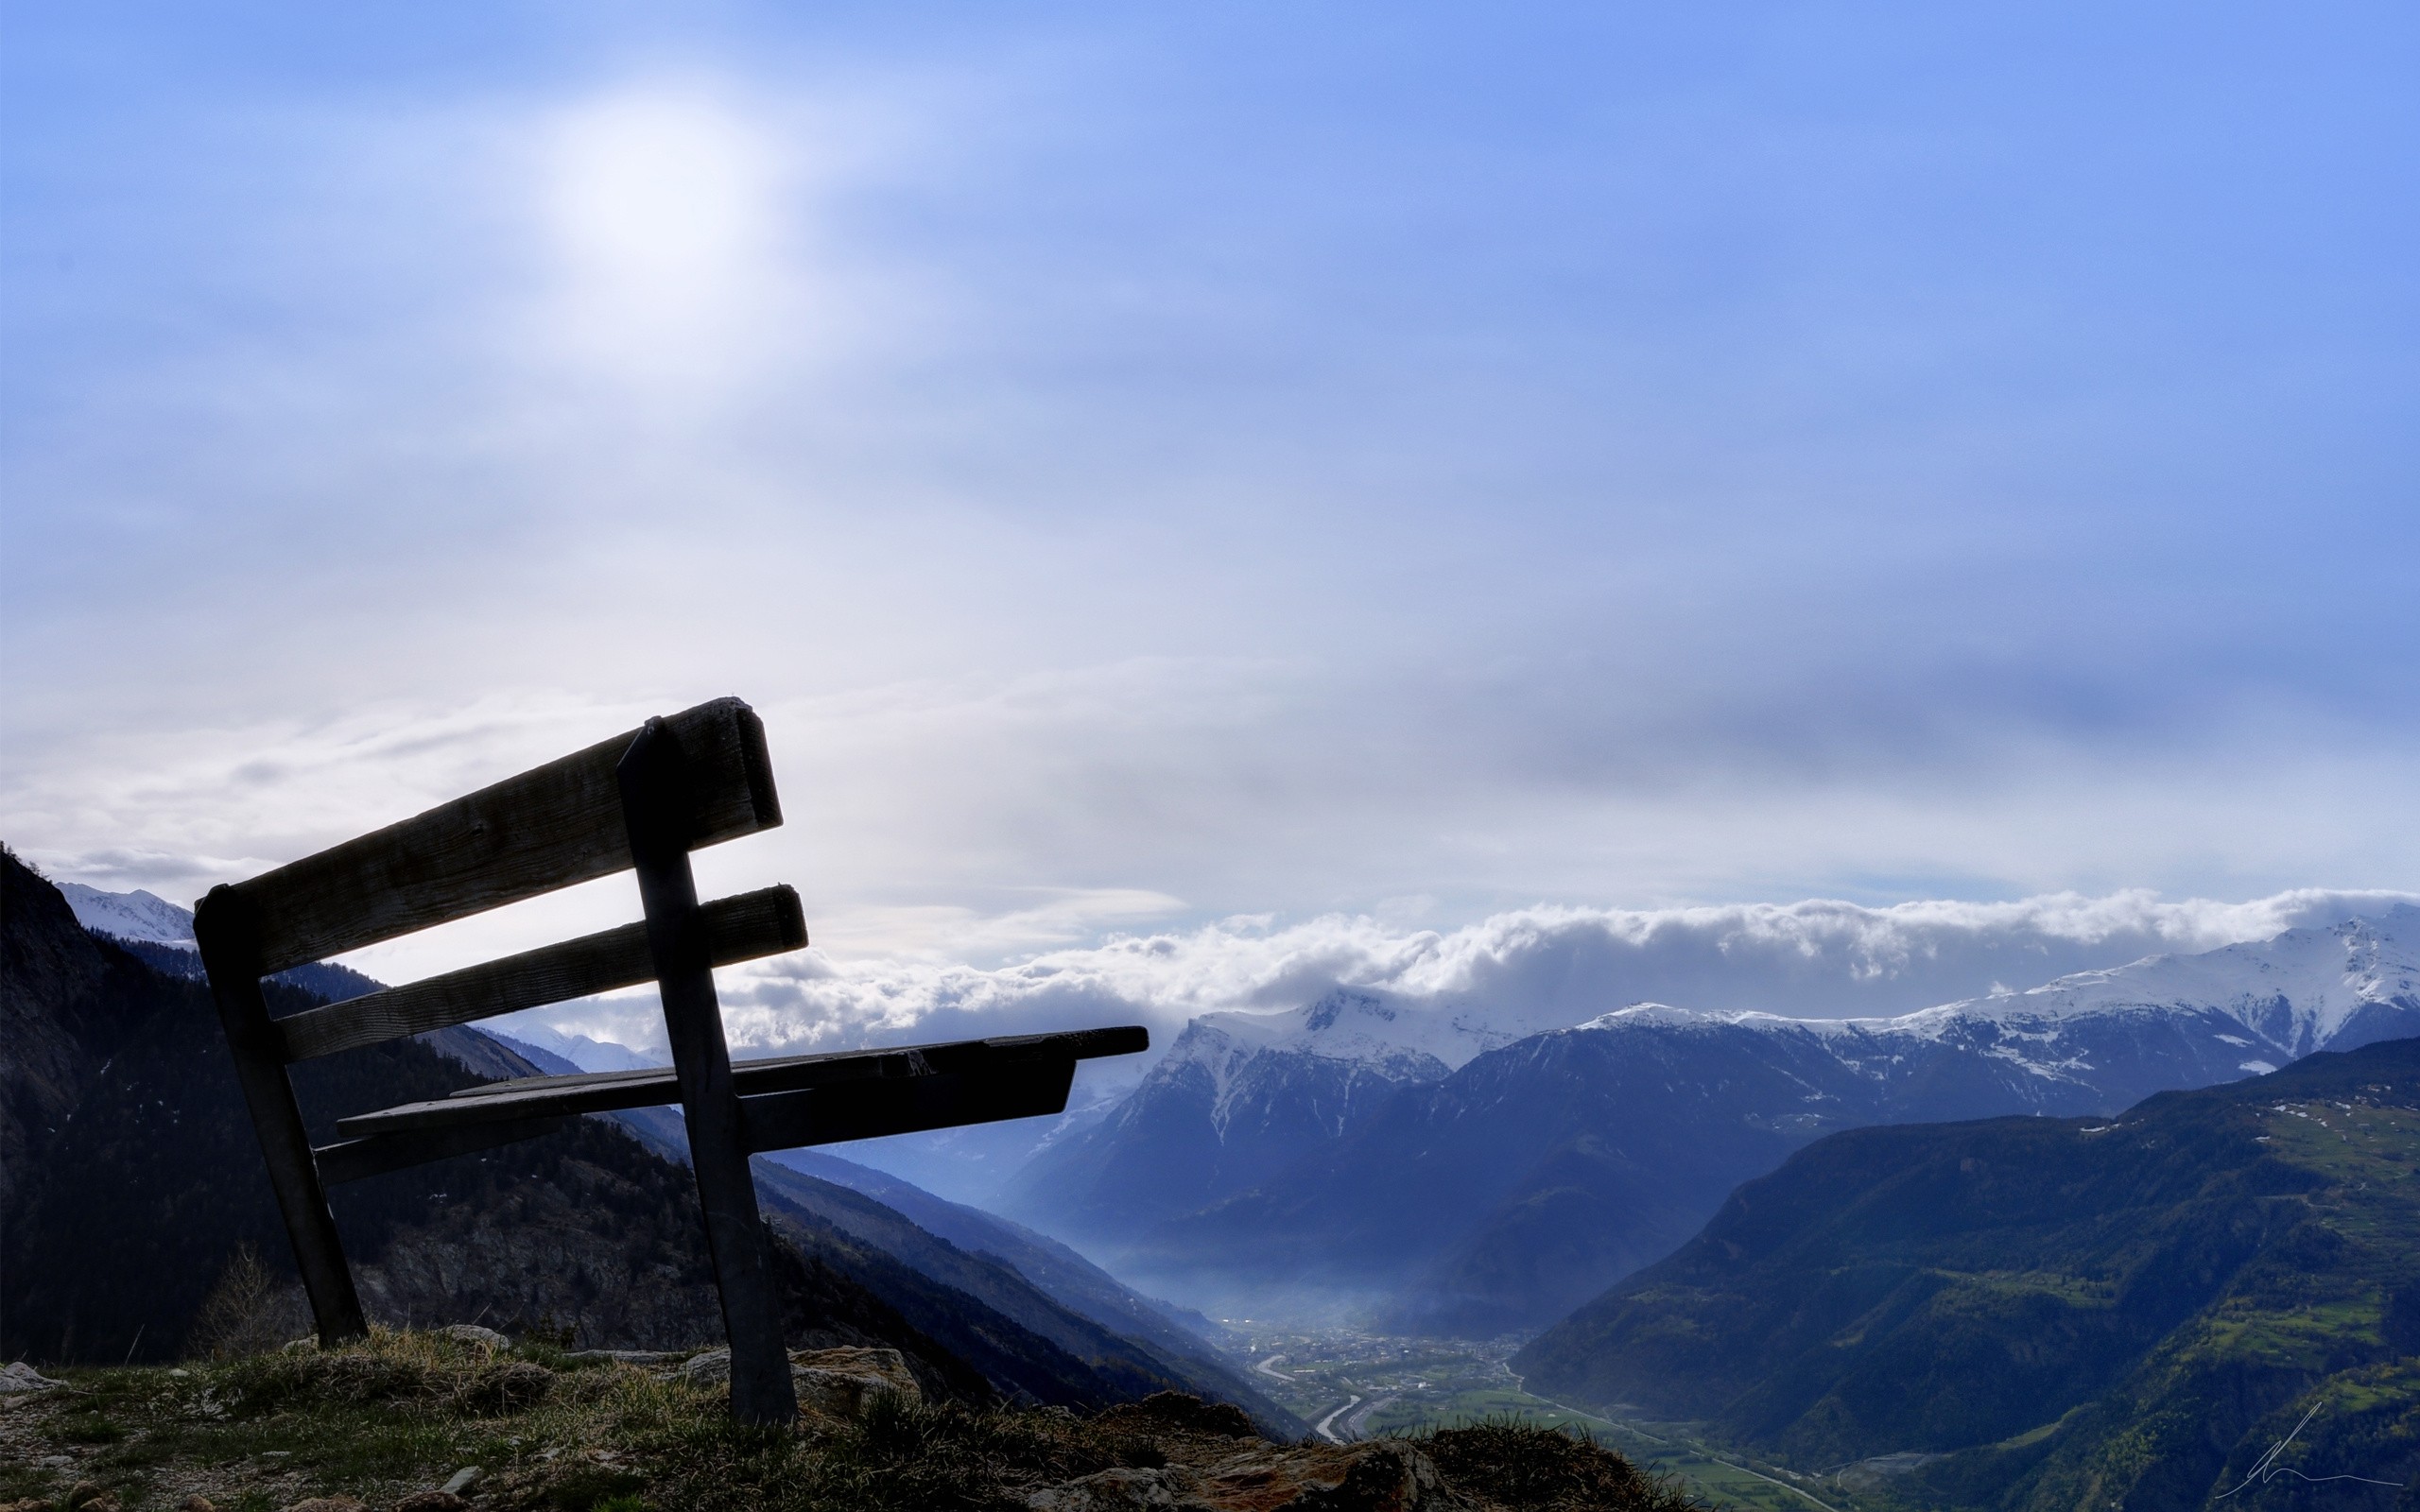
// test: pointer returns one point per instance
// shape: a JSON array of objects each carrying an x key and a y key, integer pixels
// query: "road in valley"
[{"x": 1326, "y": 1432}]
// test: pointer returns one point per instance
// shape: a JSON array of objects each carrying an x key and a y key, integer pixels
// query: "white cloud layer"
[{"x": 1525, "y": 970}]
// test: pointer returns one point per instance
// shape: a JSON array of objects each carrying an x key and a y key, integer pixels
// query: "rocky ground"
[{"x": 461, "y": 1420}]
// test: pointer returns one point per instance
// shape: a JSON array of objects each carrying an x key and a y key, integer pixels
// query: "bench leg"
[
  {"x": 655, "y": 806},
  {"x": 228, "y": 954}
]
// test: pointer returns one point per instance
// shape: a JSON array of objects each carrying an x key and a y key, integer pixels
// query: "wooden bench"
[{"x": 639, "y": 802}]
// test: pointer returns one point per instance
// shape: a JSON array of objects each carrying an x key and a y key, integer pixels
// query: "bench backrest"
[{"x": 549, "y": 828}]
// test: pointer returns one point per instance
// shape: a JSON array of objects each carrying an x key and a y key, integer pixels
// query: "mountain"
[
  {"x": 136, "y": 1184},
  {"x": 1132, "y": 1367},
  {"x": 1238, "y": 1096},
  {"x": 1057, "y": 1269},
  {"x": 2035, "y": 1312},
  {"x": 139, "y": 1195},
  {"x": 129, "y": 916},
  {"x": 65, "y": 1005},
  {"x": 1499, "y": 1195},
  {"x": 1069, "y": 1305}
]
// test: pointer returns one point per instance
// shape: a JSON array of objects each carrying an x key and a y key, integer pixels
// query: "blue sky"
[{"x": 1152, "y": 464}]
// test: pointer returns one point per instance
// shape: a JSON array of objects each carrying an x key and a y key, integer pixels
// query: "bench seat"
[{"x": 785, "y": 1102}]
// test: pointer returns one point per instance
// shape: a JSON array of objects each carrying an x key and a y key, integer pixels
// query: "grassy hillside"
[
  {"x": 2057, "y": 1313},
  {"x": 389, "y": 1421}
]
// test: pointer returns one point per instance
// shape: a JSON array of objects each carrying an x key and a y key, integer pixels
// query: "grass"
[{"x": 401, "y": 1412}]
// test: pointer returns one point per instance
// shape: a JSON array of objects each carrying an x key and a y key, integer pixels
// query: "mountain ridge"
[
  {"x": 2028, "y": 1313},
  {"x": 1507, "y": 1191}
]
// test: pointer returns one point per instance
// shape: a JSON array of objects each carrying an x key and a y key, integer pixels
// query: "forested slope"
[{"x": 2066, "y": 1311}]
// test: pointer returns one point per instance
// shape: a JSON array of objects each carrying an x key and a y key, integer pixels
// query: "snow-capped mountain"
[
  {"x": 136, "y": 915},
  {"x": 1334, "y": 1153},
  {"x": 2307, "y": 989},
  {"x": 1238, "y": 1095}
]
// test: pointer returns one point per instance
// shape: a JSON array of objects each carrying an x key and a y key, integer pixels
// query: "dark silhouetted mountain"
[
  {"x": 136, "y": 1180},
  {"x": 2066, "y": 1311}
]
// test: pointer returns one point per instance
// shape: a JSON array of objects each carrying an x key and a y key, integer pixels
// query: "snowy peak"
[
  {"x": 136, "y": 915},
  {"x": 2306, "y": 989},
  {"x": 1365, "y": 1026},
  {"x": 1245, "y": 1058},
  {"x": 2303, "y": 990}
]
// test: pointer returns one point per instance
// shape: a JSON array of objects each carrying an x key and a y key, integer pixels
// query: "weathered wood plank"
[
  {"x": 353, "y": 1159},
  {"x": 745, "y": 928},
  {"x": 655, "y": 778},
  {"x": 549, "y": 828},
  {"x": 786, "y": 1073},
  {"x": 867, "y": 1109},
  {"x": 607, "y": 1091},
  {"x": 231, "y": 959}
]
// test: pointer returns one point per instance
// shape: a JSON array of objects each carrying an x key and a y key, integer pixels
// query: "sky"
[{"x": 1186, "y": 474}]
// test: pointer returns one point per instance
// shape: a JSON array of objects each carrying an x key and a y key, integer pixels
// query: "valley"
[{"x": 1356, "y": 1385}]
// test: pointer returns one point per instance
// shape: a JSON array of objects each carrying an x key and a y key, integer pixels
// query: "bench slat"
[
  {"x": 353, "y": 1159},
  {"x": 610, "y": 1091},
  {"x": 870, "y": 1109},
  {"x": 745, "y": 928},
  {"x": 851, "y": 1065},
  {"x": 549, "y": 828}
]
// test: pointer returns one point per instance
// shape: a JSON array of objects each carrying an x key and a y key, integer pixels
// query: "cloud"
[
  {"x": 1147, "y": 477},
  {"x": 1523, "y": 970}
]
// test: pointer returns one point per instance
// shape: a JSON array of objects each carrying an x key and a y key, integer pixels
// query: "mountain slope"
[
  {"x": 904, "y": 1260},
  {"x": 1511, "y": 1190},
  {"x": 1128, "y": 1366},
  {"x": 1077, "y": 1282},
  {"x": 2070, "y": 1311},
  {"x": 129, "y": 916},
  {"x": 1236, "y": 1097},
  {"x": 63, "y": 1005},
  {"x": 136, "y": 1194}
]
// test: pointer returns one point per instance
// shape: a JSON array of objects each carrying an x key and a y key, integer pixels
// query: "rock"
[
  {"x": 1175, "y": 1412},
  {"x": 22, "y": 1377},
  {"x": 1384, "y": 1476},
  {"x": 839, "y": 1382},
  {"x": 843, "y": 1383},
  {"x": 463, "y": 1480},
  {"x": 431, "y": 1501},
  {"x": 1121, "y": 1490},
  {"x": 473, "y": 1333},
  {"x": 325, "y": 1503}
]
